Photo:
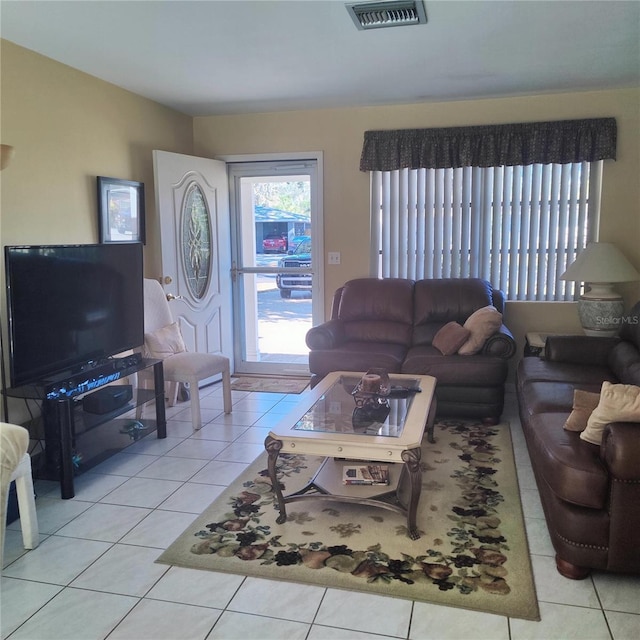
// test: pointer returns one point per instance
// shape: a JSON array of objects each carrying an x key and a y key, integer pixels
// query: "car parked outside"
[
  {"x": 298, "y": 257},
  {"x": 297, "y": 240},
  {"x": 275, "y": 243}
]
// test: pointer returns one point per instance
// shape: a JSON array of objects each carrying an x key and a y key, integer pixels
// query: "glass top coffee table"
[{"x": 334, "y": 422}]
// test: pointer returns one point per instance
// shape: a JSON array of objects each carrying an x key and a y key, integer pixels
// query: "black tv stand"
[
  {"x": 67, "y": 427},
  {"x": 90, "y": 376}
]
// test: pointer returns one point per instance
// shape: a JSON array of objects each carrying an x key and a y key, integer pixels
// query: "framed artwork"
[{"x": 120, "y": 210}]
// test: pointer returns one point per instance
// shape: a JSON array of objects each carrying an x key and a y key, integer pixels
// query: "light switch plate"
[{"x": 334, "y": 257}]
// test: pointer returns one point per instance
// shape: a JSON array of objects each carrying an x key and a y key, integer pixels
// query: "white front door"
[{"x": 193, "y": 208}]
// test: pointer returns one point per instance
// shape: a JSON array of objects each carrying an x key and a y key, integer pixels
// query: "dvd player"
[{"x": 91, "y": 377}]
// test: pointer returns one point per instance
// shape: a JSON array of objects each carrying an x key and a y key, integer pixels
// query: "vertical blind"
[{"x": 517, "y": 226}]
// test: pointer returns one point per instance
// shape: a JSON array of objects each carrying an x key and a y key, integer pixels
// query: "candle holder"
[{"x": 371, "y": 399}]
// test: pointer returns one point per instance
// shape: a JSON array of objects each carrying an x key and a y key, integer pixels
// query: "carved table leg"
[
  {"x": 411, "y": 458},
  {"x": 431, "y": 420},
  {"x": 273, "y": 447}
]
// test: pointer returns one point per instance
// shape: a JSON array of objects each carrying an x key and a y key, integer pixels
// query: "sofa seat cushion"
[
  {"x": 577, "y": 374},
  {"x": 473, "y": 371},
  {"x": 550, "y": 397},
  {"x": 357, "y": 356},
  {"x": 570, "y": 467}
]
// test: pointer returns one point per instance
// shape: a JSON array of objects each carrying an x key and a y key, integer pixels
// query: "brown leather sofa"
[
  {"x": 590, "y": 493},
  {"x": 390, "y": 323}
]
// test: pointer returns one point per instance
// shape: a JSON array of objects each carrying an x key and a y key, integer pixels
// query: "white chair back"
[{"x": 157, "y": 313}]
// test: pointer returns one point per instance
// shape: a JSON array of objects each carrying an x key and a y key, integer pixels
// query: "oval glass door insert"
[{"x": 196, "y": 241}]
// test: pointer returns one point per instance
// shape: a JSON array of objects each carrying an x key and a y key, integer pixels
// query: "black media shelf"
[{"x": 76, "y": 440}]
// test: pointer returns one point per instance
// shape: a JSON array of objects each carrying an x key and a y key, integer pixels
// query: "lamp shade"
[{"x": 601, "y": 262}]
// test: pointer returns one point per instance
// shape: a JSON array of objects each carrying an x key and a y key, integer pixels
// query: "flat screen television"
[{"x": 71, "y": 306}]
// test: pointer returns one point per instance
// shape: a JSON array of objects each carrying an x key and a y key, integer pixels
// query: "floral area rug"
[
  {"x": 472, "y": 552},
  {"x": 270, "y": 385}
]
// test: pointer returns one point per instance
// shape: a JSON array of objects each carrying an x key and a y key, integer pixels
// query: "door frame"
[{"x": 317, "y": 222}]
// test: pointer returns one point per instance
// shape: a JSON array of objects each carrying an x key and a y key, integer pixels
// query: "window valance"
[{"x": 490, "y": 145}]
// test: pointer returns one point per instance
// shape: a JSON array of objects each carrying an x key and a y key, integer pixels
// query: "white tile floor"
[{"x": 93, "y": 575}]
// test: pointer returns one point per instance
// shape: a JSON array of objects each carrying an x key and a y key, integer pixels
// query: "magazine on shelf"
[{"x": 363, "y": 473}]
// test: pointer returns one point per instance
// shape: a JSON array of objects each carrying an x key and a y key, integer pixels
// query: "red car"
[{"x": 275, "y": 243}]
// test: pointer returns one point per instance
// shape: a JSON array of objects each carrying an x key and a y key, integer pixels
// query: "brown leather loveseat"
[
  {"x": 590, "y": 492},
  {"x": 391, "y": 324}
]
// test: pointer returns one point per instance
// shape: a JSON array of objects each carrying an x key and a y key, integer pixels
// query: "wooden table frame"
[{"x": 405, "y": 449}]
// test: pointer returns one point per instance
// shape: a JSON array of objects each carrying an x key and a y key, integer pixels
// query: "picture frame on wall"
[{"x": 120, "y": 210}]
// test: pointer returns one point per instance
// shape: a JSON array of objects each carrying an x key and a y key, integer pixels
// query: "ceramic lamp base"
[{"x": 601, "y": 317}]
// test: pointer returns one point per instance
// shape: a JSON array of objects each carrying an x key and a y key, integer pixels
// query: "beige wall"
[
  {"x": 67, "y": 128},
  {"x": 339, "y": 134}
]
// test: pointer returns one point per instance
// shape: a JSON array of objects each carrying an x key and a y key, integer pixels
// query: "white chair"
[
  {"x": 179, "y": 365},
  {"x": 16, "y": 466}
]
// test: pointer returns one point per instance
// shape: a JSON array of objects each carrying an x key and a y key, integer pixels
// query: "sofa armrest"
[
  {"x": 591, "y": 350},
  {"x": 328, "y": 335},
  {"x": 620, "y": 450},
  {"x": 500, "y": 345}
]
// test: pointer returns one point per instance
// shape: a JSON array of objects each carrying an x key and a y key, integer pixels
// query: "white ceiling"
[{"x": 210, "y": 57}]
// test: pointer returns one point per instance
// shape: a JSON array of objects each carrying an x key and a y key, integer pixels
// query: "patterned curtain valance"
[{"x": 490, "y": 145}]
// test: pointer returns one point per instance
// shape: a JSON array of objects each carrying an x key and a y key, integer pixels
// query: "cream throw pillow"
[
  {"x": 164, "y": 342},
  {"x": 584, "y": 403},
  {"x": 618, "y": 403},
  {"x": 482, "y": 324}
]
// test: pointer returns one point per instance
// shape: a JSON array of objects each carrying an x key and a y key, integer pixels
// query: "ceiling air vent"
[{"x": 396, "y": 13}]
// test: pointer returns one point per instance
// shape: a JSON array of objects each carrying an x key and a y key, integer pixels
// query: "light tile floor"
[{"x": 94, "y": 576}]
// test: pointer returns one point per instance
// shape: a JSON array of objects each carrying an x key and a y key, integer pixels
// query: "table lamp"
[{"x": 600, "y": 308}]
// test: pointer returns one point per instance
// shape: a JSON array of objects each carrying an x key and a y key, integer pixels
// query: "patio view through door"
[{"x": 276, "y": 250}]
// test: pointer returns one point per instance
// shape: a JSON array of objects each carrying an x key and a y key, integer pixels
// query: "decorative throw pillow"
[
  {"x": 618, "y": 403},
  {"x": 450, "y": 338},
  {"x": 481, "y": 324},
  {"x": 164, "y": 342},
  {"x": 584, "y": 402}
]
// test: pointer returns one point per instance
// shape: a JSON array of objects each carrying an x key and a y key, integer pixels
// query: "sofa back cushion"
[
  {"x": 437, "y": 302},
  {"x": 630, "y": 330},
  {"x": 377, "y": 310}
]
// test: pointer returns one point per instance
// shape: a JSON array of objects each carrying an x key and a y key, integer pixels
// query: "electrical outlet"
[{"x": 334, "y": 257}]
